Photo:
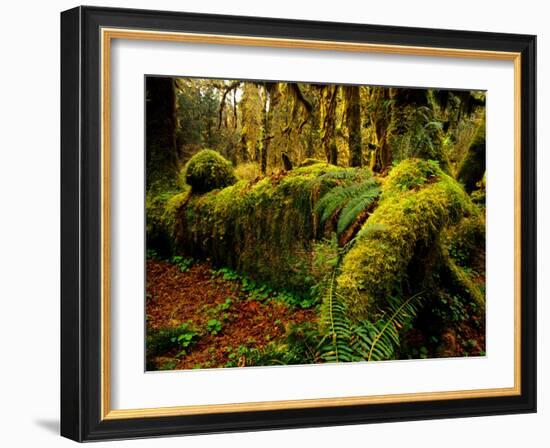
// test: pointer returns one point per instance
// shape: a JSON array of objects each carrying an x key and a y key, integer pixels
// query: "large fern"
[
  {"x": 347, "y": 202},
  {"x": 380, "y": 340},
  {"x": 337, "y": 343},
  {"x": 346, "y": 341}
]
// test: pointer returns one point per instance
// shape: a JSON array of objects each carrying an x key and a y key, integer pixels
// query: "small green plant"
[
  {"x": 214, "y": 327},
  {"x": 185, "y": 338},
  {"x": 152, "y": 254},
  {"x": 221, "y": 307},
  {"x": 181, "y": 262},
  {"x": 452, "y": 309}
]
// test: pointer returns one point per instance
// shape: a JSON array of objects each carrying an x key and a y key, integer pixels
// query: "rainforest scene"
[{"x": 294, "y": 223}]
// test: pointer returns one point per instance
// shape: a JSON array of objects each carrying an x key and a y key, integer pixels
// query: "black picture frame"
[{"x": 81, "y": 224}]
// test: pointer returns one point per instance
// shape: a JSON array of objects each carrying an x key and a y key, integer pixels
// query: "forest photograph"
[{"x": 292, "y": 223}]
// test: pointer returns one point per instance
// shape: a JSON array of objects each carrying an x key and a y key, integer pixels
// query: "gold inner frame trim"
[{"x": 107, "y": 35}]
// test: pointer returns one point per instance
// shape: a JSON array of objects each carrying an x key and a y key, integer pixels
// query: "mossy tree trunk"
[
  {"x": 161, "y": 153},
  {"x": 472, "y": 168},
  {"x": 161, "y": 158},
  {"x": 271, "y": 98},
  {"x": 353, "y": 123},
  {"x": 328, "y": 102},
  {"x": 382, "y": 118}
]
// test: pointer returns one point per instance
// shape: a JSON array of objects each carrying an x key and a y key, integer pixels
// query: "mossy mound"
[
  {"x": 208, "y": 170},
  {"x": 267, "y": 228},
  {"x": 418, "y": 201}
]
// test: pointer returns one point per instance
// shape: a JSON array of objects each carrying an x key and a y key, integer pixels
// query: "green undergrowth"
[
  {"x": 180, "y": 340},
  {"x": 263, "y": 292},
  {"x": 300, "y": 345},
  {"x": 379, "y": 256}
]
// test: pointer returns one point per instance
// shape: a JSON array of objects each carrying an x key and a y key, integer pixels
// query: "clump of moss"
[
  {"x": 418, "y": 201},
  {"x": 409, "y": 175},
  {"x": 208, "y": 170}
]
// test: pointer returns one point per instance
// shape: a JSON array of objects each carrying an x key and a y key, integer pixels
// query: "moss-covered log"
[
  {"x": 418, "y": 201},
  {"x": 266, "y": 229}
]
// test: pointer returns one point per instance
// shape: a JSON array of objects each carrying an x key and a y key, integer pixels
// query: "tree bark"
[
  {"x": 161, "y": 153},
  {"x": 353, "y": 123},
  {"x": 271, "y": 98},
  {"x": 328, "y": 122}
]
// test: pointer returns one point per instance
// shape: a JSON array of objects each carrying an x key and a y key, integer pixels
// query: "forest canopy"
[{"x": 358, "y": 209}]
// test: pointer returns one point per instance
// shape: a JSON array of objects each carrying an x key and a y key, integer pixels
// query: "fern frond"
[
  {"x": 336, "y": 346},
  {"x": 389, "y": 331},
  {"x": 354, "y": 207},
  {"x": 348, "y": 201}
]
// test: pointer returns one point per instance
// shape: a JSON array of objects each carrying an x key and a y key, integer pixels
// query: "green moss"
[
  {"x": 315, "y": 169},
  {"x": 466, "y": 240},
  {"x": 417, "y": 202},
  {"x": 309, "y": 162},
  {"x": 208, "y": 170},
  {"x": 459, "y": 281},
  {"x": 266, "y": 229},
  {"x": 410, "y": 174},
  {"x": 160, "y": 211}
]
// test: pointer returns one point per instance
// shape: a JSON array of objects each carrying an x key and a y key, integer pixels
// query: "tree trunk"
[
  {"x": 271, "y": 99},
  {"x": 382, "y": 118},
  {"x": 353, "y": 123},
  {"x": 328, "y": 122},
  {"x": 161, "y": 153}
]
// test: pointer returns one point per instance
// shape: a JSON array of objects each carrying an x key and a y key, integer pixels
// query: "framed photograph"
[{"x": 276, "y": 224}]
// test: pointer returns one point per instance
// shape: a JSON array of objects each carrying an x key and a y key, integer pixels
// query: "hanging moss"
[
  {"x": 417, "y": 202},
  {"x": 208, "y": 170}
]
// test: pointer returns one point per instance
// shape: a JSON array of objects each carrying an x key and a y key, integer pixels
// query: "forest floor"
[{"x": 224, "y": 316}]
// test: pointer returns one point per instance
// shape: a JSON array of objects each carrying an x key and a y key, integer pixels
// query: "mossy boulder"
[{"x": 208, "y": 170}]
